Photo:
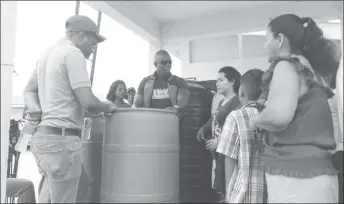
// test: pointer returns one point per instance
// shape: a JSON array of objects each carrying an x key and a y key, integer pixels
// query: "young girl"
[{"x": 117, "y": 94}]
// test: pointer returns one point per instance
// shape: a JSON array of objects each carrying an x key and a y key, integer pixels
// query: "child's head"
[
  {"x": 250, "y": 86},
  {"x": 228, "y": 80},
  {"x": 117, "y": 90}
]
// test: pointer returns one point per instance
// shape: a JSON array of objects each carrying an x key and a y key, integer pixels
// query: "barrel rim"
[{"x": 143, "y": 110}]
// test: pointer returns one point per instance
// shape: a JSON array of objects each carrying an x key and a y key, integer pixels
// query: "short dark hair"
[
  {"x": 252, "y": 80},
  {"x": 131, "y": 90},
  {"x": 111, "y": 96},
  {"x": 162, "y": 52},
  {"x": 232, "y": 75}
]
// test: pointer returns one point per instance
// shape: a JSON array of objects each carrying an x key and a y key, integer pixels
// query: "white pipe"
[
  {"x": 241, "y": 51},
  {"x": 340, "y": 77}
]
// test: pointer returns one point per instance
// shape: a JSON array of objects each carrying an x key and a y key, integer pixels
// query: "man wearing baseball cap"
[
  {"x": 59, "y": 91},
  {"x": 82, "y": 25}
]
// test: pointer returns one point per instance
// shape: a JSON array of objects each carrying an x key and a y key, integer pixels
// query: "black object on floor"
[{"x": 337, "y": 160}]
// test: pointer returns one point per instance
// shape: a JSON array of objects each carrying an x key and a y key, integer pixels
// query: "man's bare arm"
[
  {"x": 75, "y": 64},
  {"x": 90, "y": 102},
  {"x": 30, "y": 94},
  {"x": 138, "y": 100},
  {"x": 207, "y": 126}
]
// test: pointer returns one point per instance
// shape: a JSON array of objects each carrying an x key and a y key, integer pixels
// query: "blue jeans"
[
  {"x": 83, "y": 196},
  {"x": 59, "y": 159},
  {"x": 43, "y": 191}
]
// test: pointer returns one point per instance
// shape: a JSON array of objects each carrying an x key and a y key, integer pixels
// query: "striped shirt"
[{"x": 238, "y": 142}]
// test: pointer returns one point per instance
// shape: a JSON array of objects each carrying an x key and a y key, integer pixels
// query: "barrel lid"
[
  {"x": 120, "y": 110},
  {"x": 195, "y": 85}
]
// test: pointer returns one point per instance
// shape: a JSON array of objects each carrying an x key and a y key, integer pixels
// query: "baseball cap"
[{"x": 80, "y": 23}]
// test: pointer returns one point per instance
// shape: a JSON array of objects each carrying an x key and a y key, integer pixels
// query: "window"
[
  {"x": 176, "y": 65},
  {"x": 40, "y": 24},
  {"x": 124, "y": 56},
  {"x": 89, "y": 66},
  {"x": 89, "y": 11},
  {"x": 331, "y": 30}
]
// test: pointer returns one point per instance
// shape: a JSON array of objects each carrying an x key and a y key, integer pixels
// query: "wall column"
[
  {"x": 153, "y": 48},
  {"x": 184, "y": 56},
  {"x": 8, "y": 34},
  {"x": 241, "y": 51}
]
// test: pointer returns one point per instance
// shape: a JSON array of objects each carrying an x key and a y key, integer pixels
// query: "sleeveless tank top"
[{"x": 303, "y": 149}]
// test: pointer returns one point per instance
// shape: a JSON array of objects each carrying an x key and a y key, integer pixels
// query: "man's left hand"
[{"x": 211, "y": 144}]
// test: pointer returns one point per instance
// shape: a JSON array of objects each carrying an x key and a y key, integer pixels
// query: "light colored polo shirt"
[{"x": 59, "y": 71}]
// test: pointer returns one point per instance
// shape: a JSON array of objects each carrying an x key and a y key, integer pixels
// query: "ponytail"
[
  {"x": 319, "y": 51},
  {"x": 306, "y": 38}
]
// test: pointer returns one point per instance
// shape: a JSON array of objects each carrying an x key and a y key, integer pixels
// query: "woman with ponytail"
[
  {"x": 228, "y": 82},
  {"x": 297, "y": 117}
]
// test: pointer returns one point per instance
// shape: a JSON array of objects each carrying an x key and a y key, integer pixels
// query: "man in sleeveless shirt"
[{"x": 162, "y": 90}]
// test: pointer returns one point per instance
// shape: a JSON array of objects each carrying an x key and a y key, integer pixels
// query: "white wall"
[
  {"x": 152, "y": 50},
  {"x": 253, "y": 53},
  {"x": 208, "y": 70},
  {"x": 8, "y": 25},
  {"x": 203, "y": 58},
  {"x": 17, "y": 112}
]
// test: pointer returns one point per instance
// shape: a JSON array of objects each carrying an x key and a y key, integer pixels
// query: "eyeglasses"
[{"x": 165, "y": 62}]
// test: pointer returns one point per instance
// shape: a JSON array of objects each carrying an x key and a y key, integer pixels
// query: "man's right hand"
[
  {"x": 200, "y": 135},
  {"x": 111, "y": 107},
  {"x": 34, "y": 115}
]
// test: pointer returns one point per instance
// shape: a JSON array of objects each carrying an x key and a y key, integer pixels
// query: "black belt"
[{"x": 59, "y": 131}]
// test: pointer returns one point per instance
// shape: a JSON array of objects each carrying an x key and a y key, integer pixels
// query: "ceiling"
[
  {"x": 175, "y": 20},
  {"x": 170, "y": 11}
]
